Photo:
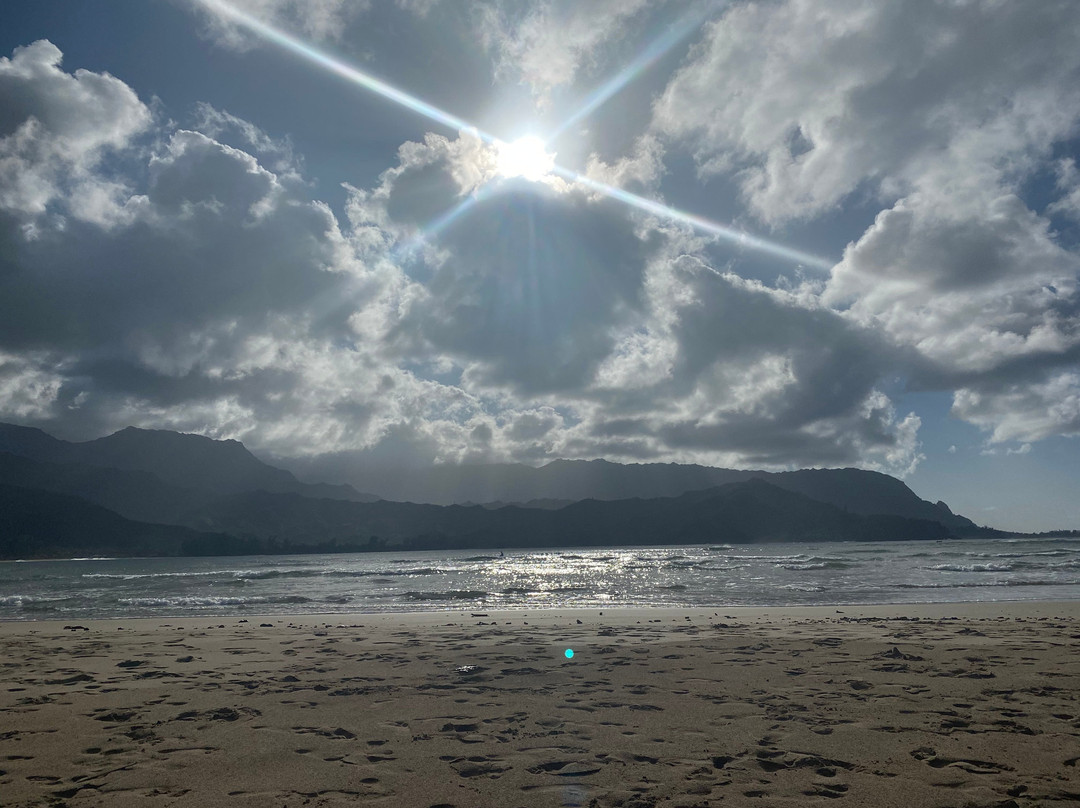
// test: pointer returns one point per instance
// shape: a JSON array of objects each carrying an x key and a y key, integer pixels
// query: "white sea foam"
[{"x": 972, "y": 567}]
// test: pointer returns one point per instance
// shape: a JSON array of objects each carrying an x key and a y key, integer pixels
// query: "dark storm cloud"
[
  {"x": 216, "y": 240},
  {"x": 756, "y": 373},
  {"x": 156, "y": 275},
  {"x": 533, "y": 284}
]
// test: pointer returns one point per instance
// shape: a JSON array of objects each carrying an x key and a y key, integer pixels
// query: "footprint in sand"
[
  {"x": 829, "y": 790},
  {"x": 340, "y": 733},
  {"x": 565, "y": 768},
  {"x": 479, "y": 766},
  {"x": 933, "y": 759}
]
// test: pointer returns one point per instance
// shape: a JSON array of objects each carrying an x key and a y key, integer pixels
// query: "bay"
[{"x": 703, "y": 576}]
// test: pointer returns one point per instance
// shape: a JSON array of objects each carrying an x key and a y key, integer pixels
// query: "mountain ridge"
[
  {"x": 179, "y": 459},
  {"x": 744, "y": 512},
  {"x": 43, "y": 524},
  {"x": 561, "y": 481},
  {"x": 233, "y": 501}
]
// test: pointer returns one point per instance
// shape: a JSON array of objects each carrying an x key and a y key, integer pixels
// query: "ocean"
[{"x": 702, "y": 576}]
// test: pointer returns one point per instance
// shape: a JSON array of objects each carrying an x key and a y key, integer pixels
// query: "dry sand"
[{"x": 947, "y": 705}]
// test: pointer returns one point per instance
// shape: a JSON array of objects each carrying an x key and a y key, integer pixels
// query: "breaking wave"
[
  {"x": 210, "y": 602},
  {"x": 452, "y": 594},
  {"x": 973, "y": 567}
]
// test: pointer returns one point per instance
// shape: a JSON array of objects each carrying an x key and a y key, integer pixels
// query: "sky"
[{"x": 783, "y": 234}]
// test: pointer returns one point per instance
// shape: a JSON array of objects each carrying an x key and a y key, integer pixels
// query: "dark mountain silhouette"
[
  {"x": 867, "y": 492},
  {"x": 751, "y": 511},
  {"x": 41, "y": 524},
  {"x": 571, "y": 480},
  {"x": 137, "y": 495},
  {"x": 223, "y": 466},
  {"x": 27, "y": 441},
  {"x": 190, "y": 494},
  {"x": 563, "y": 481},
  {"x": 185, "y": 461},
  {"x": 539, "y": 504}
]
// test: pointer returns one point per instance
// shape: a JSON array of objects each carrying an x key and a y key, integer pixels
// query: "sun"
[{"x": 526, "y": 157}]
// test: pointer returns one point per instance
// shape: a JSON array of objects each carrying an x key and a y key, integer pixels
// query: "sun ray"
[
  {"x": 440, "y": 223},
  {"x": 655, "y": 51},
  {"x": 729, "y": 234},
  {"x": 737, "y": 237},
  {"x": 324, "y": 60}
]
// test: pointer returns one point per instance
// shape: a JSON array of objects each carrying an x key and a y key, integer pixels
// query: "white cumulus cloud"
[{"x": 55, "y": 129}]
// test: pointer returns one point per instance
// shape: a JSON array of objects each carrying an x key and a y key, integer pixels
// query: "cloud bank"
[{"x": 944, "y": 114}]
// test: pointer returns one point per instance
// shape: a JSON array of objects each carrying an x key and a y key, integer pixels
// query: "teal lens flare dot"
[{"x": 569, "y": 653}]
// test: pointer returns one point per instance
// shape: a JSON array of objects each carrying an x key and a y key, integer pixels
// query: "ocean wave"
[
  {"x": 272, "y": 574},
  {"x": 774, "y": 574},
  {"x": 26, "y": 580},
  {"x": 269, "y": 575},
  {"x": 980, "y": 584},
  {"x": 32, "y": 603},
  {"x": 265, "y": 575},
  {"x": 1039, "y": 554},
  {"x": 770, "y": 559},
  {"x": 872, "y": 551},
  {"x": 1066, "y": 551},
  {"x": 197, "y": 602},
  {"x": 135, "y": 576},
  {"x": 820, "y": 565},
  {"x": 452, "y": 594}
]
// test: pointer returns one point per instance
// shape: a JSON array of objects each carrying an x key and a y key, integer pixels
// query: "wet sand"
[{"x": 936, "y": 705}]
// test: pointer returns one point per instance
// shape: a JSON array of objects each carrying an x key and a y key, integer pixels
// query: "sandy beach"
[{"x": 934, "y": 705}]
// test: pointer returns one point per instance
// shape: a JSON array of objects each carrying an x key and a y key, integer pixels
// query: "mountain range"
[{"x": 156, "y": 492}]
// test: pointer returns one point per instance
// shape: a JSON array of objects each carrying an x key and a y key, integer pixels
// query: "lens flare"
[
  {"x": 729, "y": 234},
  {"x": 653, "y": 52},
  {"x": 324, "y": 60},
  {"x": 440, "y": 223},
  {"x": 535, "y": 156}
]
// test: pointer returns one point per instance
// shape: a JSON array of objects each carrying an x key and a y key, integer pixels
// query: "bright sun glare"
[{"x": 525, "y": 157}]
